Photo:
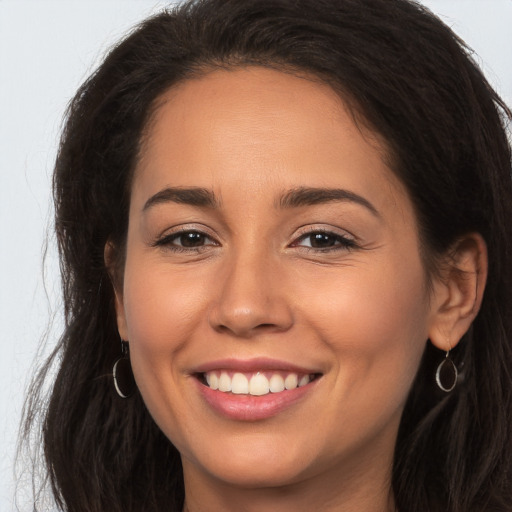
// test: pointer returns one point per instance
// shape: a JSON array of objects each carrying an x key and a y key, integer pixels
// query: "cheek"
[
  {"x": 375, "y": 322},
  {"x": 160, "y": 305},
  {"x": 162, "y": 310}
]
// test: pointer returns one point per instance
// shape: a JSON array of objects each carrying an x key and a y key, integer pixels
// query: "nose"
[{"x": 251, "y": 298}]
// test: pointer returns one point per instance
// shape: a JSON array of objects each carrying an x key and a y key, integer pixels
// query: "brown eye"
[
  {"x": 190, "y": 239},
  {"x": 324, "y": 240},
  {"x": 184, "y": 240}
]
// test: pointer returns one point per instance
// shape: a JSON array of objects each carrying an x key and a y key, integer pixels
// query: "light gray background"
[{"x": 47, "y": 48}]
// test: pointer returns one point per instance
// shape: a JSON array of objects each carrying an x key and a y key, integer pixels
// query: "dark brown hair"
[{"x": 413, "y": 82}]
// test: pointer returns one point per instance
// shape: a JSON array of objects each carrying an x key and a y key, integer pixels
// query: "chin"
[{"x": 261, "y": 466}]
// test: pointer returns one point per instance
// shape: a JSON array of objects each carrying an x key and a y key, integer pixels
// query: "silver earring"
[
  {"x": 122, "y": 373},
  {"x": 446, "y": 374}
]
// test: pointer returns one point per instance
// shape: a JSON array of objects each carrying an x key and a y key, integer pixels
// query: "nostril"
[
  {"x": 248, "y": 331},
  {"x": 245, "y": 319}
]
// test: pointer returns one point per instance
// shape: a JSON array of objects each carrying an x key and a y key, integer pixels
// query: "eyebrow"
[
  {"x": 295, "y": 198},
  {"x": 194, "y": 196},
  {"x": 307, "y": 196}
]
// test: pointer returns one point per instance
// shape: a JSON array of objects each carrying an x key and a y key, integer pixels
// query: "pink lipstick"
[{"x": 256, "y": 389}]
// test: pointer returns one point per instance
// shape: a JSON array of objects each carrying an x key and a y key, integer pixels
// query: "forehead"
[{"x": 256, "y": 127}]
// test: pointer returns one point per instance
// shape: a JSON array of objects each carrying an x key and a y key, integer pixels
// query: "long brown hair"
[{"x": 405, "y": 74}]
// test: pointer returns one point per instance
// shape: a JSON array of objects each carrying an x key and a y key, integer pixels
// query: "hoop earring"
[
  {"x": 124, "y": 381},
  {"x": 446, "y": 374}
]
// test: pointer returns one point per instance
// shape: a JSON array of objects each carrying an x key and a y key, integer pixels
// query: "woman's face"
[{"x": 270, "y": 247}]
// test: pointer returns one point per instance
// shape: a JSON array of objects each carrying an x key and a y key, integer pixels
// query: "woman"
[{"x": 291, "y": 221}]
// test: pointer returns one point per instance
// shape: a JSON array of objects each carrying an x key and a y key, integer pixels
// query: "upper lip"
[{"x": 253, "y": 365}]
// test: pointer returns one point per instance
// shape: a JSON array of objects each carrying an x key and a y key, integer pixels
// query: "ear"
[
  {"x": 458, "y": 291},
  {"x": 114, "y": 272}
]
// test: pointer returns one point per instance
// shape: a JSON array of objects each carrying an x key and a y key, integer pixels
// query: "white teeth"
[
  {"x": 276, "y": 383},
  {"x": 213, "y": 380},
  {"x": 224, "y": 382},
  {"x": 303, "y": 381},
  {"x": 257, "y": 385},
  {"x": 291, "y": 381},
  {"x": 239, "y": 384}
]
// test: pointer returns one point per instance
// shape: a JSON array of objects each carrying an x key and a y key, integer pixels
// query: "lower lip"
[{"x": 253, "y": 408}]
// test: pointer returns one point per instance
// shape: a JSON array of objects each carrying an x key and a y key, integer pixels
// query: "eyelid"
[
  {"x": 346, "y": 239},
  {"x": 323, "y": 228},
  {"x": 165, "y": 238}
]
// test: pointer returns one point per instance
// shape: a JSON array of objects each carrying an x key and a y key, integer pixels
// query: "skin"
[{"x": 359, "y": 313}]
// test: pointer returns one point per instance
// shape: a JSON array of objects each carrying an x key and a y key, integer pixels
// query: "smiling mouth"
[{"x": 258, "y": 383}]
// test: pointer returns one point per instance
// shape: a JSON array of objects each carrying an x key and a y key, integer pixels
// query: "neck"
[{"x": 291, "y": 500}]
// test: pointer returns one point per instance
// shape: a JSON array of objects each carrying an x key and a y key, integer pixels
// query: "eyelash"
[
  {"x": 167, "y": 241},
  {"x": 340, "y": 242}
]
